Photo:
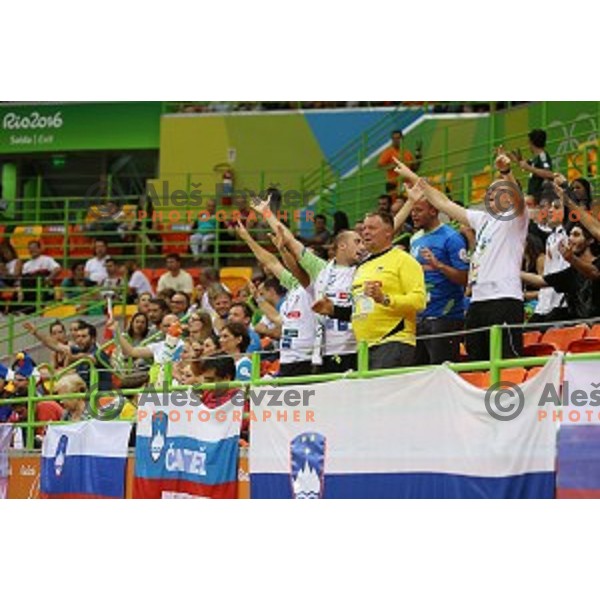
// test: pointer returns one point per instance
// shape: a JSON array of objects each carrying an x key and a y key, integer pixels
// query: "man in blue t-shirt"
[{"x": 443, "y": 254}]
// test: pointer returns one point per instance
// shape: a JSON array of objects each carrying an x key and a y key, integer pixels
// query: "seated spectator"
[
  {"x": 137, "y": 282},
  {"x": 78, "y": 283},
  {"x": 220, "y": 302},
  {"x": 340, "y": 222},
  {"x": 234, "y": 341},
  {"x": 176, "y": 278},
  {"x": 11, "y": 266},
  {"x": 180, "y": 304},
  {"x": 205, "y": 231},
  {"x": 210, "y": 346},
  {"x": 114, "y": 280},
  {"x": 199, "y": 326},
  {"x": 58, "y": 332},
  {"x": 38, "y": 267},
  {"x": 157, "y": 311},
  {"x": 582, "y": 192},
  {"x": 111, "y": 220},
  {"x": 85, "y": 345},
  {"x": 321, "y": 236},
  {"x": 219, "y": 368},
  {"x": 143, "y": 302},
  {"x": 75, "y": 409},
  {"x": 165, "y": 350},
  {"x": 384, "y": 204},
  {"x": 95, "y": 267},
  {"x": 240, "y": 312},
  {"x": 208, "y": 277}
]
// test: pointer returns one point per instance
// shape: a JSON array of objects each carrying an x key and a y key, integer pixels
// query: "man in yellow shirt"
[{"x": 388, "y": 291}]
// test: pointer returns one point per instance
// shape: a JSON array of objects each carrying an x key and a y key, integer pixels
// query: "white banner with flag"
[
  {"x": 421, "y": 435},
  {"x": 6, "y": 431}
]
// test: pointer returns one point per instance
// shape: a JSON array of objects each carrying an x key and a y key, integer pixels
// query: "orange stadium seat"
[
  {"x": 176, "y": 238},
  {"x": 54, "y": 241},
  {"x": 588, "y": 344},
  {"x": 531, "y": 337},
  {"x": 595, "y": 331},
  {"x": 533, "y": 372},
  {"x": 195, "y": 273},
  {"x": 514, "y": 375},
  {"x": 80, "y": 244},
  {"x": 480, "y": 379},
  {"x": 556, "y": 339},
  {"x": 2, "y": 230}
]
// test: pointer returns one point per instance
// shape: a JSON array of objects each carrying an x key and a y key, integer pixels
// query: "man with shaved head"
[
  {"x": 442, "y": 253},
  {"x": 335, "y": 344}
]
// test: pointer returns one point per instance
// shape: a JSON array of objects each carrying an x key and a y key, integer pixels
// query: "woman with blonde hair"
[{"x": 75, "y": 408}]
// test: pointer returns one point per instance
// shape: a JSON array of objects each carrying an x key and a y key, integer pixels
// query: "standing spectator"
[
  {"x": 234, "y": 341},
  {"x": 384, "y": 204},
  {"x": 137, "y": 282},
  {"x": 205, "y": 231},
  {"x": 176, "y": 278},
  {"x": 388, "y": 292},
  {"x": 273, "y": 293},
  {"x": 539, "y": 166},
  {"x": 494, "y": 276},
  {"x": 580, "y": 282},
  {"x": 396, "y": 151},
  {"x": 95, "y": 267},
  {"x": 340, "y": 222},
  {"x": 240, "y": 312},
  {"x": 295, "y": 322},
  {"x": 551, "y": 305},
  {"x": 442, "y": 253}
]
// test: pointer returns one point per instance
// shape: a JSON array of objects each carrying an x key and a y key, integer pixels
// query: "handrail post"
[
  {"x": 363, "y": 357},
  {"x": 38, "y": 294},
  {"x": 94, "y": 389},
  {"x": 30, "y": 435},
  {"x": 495, "y": 353},
  {"x": 255, "y": 370},
  {"x": 11, "y": 334}
]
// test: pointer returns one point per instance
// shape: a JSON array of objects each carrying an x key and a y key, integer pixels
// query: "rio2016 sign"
[
  {"x": 79, "y": 126},
  {"x": 33, "y": 121}
]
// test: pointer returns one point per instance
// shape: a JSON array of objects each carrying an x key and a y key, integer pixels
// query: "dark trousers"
[
  {"x": 339, "y": 363},
  {"x": 439, "y": 350},
  {"x": 509, "y": 311},
  {"x": 391, "y": 355},
  {"x": 296, "y": 369}
]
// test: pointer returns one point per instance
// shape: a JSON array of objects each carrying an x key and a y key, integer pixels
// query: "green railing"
[{"x": 494, "y": 365}]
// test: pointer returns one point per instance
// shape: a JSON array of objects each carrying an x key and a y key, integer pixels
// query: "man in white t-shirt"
[
  {"x": 95, "y": 268},
  {"x": 495, "y": 272},
  {"x": 176, "y": 278},
  {"x": 40, "y": 265}
]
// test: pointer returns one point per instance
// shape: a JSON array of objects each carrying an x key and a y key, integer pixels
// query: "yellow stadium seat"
[
  {"x": 22, "y": 236},
  {"x": 129, "y": 311},
  {"x": 235, "y": 278},
  {"x": 60, "y": 312}
]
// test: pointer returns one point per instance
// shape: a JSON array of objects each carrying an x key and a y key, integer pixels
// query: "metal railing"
[{"x": 495, "y": 364}]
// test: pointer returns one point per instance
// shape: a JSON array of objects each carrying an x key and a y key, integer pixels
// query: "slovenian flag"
[
  {"x": 85, "y": 460},
  {"x": 420, "y": 435},
  {"x": 578, "y": 469},
  {"x": 185, "y": 450}
]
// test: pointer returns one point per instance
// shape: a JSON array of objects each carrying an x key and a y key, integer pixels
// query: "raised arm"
[
  {"x": 47, "y": 340},
  {"x": 442, "y": 202},
  {"x": 264, "y": 208},
  {"x": 585, "y": 218},
  {"x": 263, "y": 256}
]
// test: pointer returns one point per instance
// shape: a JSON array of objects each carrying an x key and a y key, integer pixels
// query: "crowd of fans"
[{"x": 407, "y": 280}]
